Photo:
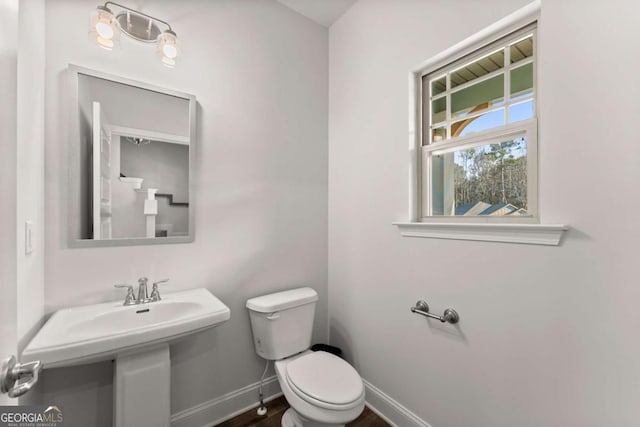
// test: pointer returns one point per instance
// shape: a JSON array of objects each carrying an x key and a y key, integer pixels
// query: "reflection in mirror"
[{"x": 135, "y": 153}]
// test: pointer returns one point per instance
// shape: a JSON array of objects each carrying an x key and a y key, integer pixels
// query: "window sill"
[{"x": 531, "y": 234}]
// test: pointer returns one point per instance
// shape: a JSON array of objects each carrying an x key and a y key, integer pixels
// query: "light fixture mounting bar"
[{"x": 151, "y": 18}]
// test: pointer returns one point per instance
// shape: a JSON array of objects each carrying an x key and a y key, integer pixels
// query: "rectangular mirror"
[{"x": 131, "y": 162}]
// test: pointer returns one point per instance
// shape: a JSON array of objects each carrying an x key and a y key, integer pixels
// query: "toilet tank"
[{"x": 282, "y": 322}]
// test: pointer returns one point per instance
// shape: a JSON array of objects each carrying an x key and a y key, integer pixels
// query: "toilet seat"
[{"x": 326, "y": 381}]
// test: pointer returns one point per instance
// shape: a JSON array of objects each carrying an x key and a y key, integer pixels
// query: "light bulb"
[
  {"x": 104, "y": 30},
  {"x": 170, "y": 51}
]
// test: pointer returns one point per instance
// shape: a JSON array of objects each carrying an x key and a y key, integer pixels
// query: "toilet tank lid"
[{"x": 282, "y": 300}]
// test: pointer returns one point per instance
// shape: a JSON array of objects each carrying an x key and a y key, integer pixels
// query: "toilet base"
[{"x": 292, "y": 419}]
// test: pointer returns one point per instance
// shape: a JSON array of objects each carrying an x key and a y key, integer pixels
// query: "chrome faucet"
[{"x": 143, "y": 295}]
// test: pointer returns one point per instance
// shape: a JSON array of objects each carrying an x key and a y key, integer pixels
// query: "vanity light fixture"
[{"x": 106, "y": 28}]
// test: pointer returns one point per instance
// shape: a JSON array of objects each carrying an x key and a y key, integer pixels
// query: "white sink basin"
[{"x": 97, "y": 332}]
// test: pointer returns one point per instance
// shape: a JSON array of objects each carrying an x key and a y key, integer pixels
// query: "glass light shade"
[
  {"x": 105, "y": 43},
  {"x": 104, "y": 28},
  {"x": 168, "y": 49}
]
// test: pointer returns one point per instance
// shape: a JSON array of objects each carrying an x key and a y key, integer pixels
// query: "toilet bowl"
[{"x": 322, "y": 389}]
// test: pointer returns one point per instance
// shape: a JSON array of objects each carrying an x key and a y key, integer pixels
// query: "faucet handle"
[
  {"x": 155, "y": 293},
  {"x": 130, "y": 299}
]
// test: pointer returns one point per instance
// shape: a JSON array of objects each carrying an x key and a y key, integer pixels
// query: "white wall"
[
  {"x": 259, "y": 72},
  {"x": 21, "y": 175},
  {"x": 8, "y": 121},
  {"x": 127, "y": 205},
  {"x": 30, "y": 168},
  {"x": 548, "y": 335}
]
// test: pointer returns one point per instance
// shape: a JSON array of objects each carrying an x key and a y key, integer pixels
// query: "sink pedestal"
[{"x": 142, "y": 382}]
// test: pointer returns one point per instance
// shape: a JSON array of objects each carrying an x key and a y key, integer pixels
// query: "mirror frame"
[{"x": 74, "y": 154}]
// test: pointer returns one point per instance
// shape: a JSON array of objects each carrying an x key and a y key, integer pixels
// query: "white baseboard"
[
  {"x": 390, "y": 410},
  {"x": 232, "y": 404},
  {"x": 227, "y": 406}
]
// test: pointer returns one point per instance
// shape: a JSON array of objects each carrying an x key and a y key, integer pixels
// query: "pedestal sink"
[{"x": 138, "y": 338}]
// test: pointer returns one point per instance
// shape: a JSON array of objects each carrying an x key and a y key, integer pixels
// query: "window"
[
  {"x": 478, "y": 157},
  {"x": 473, "y": 139}
]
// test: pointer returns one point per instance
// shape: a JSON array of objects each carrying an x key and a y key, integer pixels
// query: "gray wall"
[
  {"x": 134, "y": 107},
  {"x": 547, "y": 335},
  {"x": 259, "y": 72},
  {"x": 163, "y": 165},
  {"x": 176, "y": 216}
]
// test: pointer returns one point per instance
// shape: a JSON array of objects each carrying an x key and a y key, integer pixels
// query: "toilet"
[{"x": 322, "y": 389}]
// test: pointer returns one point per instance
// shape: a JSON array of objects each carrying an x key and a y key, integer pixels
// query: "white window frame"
[
  {"x": 492, "y": 229},
  {"x": 509, "y": 131}
]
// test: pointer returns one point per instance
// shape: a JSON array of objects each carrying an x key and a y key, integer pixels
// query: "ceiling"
[{"x": 324, "y": 12}]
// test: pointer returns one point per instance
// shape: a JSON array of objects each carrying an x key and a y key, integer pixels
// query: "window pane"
[
  {"x": 439, "y": 110},
  {"x": 490, "y": 180},
  {"x": 478, "y": 68},
  {"x": 438, "y": 134},
  {"x": 477, "y": 97},
  {"x": 522, "y": 80},
  {"x": 521, "y": 111},
  {"x": 438, "y": 85},
  {"x": 478, "y": 124},
  {"x": 521, "y": 50}
]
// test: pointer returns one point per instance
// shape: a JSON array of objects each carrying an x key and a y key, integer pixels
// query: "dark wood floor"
[{"x": 277, "y": 407}]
